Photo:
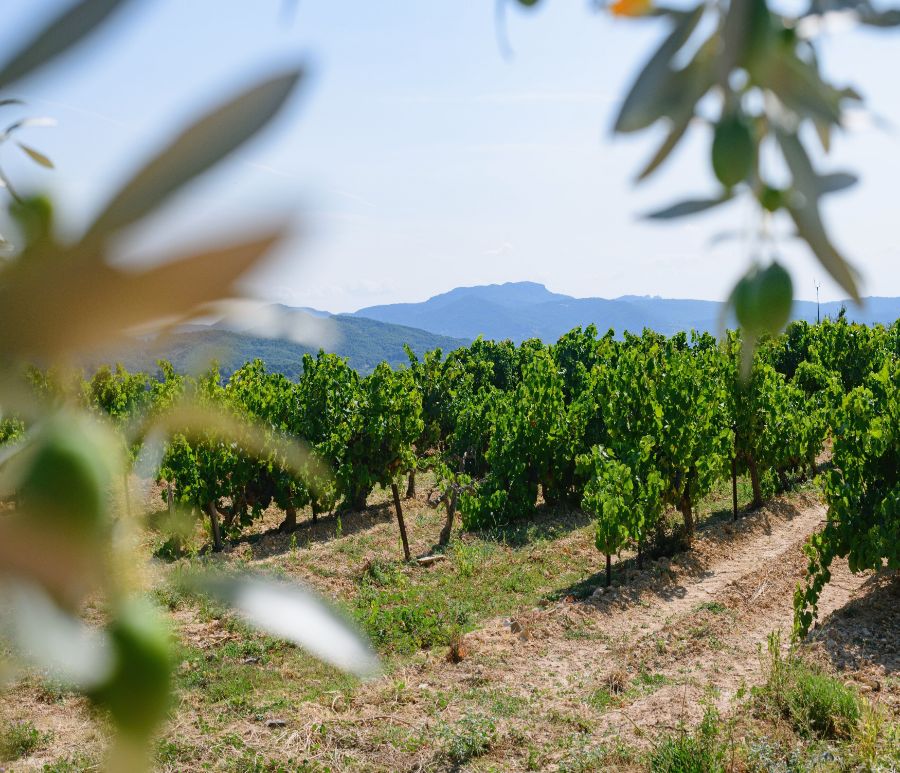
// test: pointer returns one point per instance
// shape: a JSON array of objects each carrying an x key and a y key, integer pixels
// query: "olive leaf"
[
  {"x": 688, "y": 207},
  {"x": 194, "y": 151},
  {"x": 62, "y": 33},
  {"x": 676, "y": 133},
  {"x": 655, "y": 84},
  {"x": 51, "y": 305},
  {"x": 36, "y": 155},
  {"x": 293, "y": 613},
  {"x": 804, "y": 210},
  {"x": 51, "y": 638}
]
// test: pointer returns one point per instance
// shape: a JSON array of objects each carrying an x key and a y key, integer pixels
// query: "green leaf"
[
  {"x": 873, "y": 18},
  {"x": 836, "y": 181},
  {"x": 62, "y": 33},
  {"x": 811, "y": 229},
  {"x": 642, "y": 105},
  {"x": 804, "y": 211},
  {"x": 688, "y": 207},
  {"x": 36, "y": 156},
  {"x": 676, "y": 132},
  {"x": 800, "y": 87},
  {"x": 194, "y": 151}
]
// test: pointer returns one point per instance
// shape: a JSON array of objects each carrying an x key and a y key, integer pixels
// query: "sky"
[{"x": 418, "y": 156}]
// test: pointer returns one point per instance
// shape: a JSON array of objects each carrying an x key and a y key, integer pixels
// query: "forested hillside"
[{"x": 363, "y": 342}]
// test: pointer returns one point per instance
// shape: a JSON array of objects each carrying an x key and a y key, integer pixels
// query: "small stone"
[{"x": 275, "y": 723}]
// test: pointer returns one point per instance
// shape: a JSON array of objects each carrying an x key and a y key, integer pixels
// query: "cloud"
[
  {"x": 504, "y": 248},
  {"x": 557, "y": 97}
]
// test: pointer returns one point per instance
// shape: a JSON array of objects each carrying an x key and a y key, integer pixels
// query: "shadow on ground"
[{"x": 866, "y": 630}]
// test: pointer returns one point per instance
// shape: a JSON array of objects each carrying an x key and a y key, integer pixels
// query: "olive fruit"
[
  {"x": 733, "y": 149},
  {"x": 762, "y": 299},
  {"x": 137, "y": 691},
  {"x": 771, "y": 199},
  {"x": 759, "y": 32},
  {"x": 776, "y": 294},
  {"x": 34, "y": 215},
  {"x": 66, "y": 481}
]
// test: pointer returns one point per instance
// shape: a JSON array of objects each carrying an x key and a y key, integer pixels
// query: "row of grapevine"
[{"x": 628, "y": 429}]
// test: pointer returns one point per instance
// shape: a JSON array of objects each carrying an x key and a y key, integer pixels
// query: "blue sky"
[{"x": 418, "y": 157}]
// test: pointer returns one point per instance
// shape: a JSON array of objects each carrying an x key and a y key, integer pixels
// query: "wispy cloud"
[
  {"x": 52, "y": 103},
  {"x": 353, "y": 197},
  {"x": 558, "y": 97},
  {"x": 504, "y": 248}
]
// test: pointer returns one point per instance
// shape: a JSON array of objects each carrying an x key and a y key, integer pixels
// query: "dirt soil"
[{"x": 625, "y": 664}]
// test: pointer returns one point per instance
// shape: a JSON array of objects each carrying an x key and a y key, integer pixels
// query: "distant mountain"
[
  {"x": 365, "y": 342},
  {"x": 281, "y": 335},
  {"x": 521, "y": 310}
]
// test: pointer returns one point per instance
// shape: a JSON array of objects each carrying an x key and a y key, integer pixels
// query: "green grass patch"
[
  {"x": 700, "y": 751},
  {"x": 469, "y": 738},
  {"x": 20, "y": 739},
  {"x": 816, "y": 704},
  {"x": 712, "y": 606}
]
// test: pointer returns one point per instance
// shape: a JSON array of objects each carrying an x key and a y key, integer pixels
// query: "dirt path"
[{"x": 678, "y": 636}]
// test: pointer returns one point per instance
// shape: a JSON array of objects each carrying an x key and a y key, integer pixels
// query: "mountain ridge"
[{"x": 521, "y": 310}]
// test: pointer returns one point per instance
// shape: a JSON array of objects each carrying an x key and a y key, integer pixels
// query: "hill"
[
  {"x": 520, "y": 310},
  {"x": 365, "y": 342}
]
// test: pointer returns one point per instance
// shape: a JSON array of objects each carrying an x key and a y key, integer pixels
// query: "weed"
[
  {"x": 699, "y": 752},
  {"x": 469, "y": 738},
  {"x": 600, "y": 699},
  {"x": 712, "y": 606},
  {"x": 19, "y": 739},
  {"x": 74, "y": 764},
  {"x": 598, "y": 759},
  {"x": 816, "y": 704}
]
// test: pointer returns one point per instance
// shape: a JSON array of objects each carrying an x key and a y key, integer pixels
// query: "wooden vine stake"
[{"x": 396, "y": 492}]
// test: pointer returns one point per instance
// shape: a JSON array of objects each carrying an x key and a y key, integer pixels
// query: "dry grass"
[{"x": 503, "y": 656}]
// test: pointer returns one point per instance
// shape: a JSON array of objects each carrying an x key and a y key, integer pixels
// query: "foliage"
[
  {"x": 862, "y": 490},
  {"x": 61, "y": 300}
]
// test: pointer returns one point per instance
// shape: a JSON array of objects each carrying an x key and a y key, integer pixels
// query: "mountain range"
[
  {"x": 281, "y": 335},
  {"x": 521, "y": 310}
]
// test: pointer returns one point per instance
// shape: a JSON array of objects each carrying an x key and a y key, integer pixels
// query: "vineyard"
[
  {"x": 631, "y": 431},
  {"x": 512, "y": 467}
]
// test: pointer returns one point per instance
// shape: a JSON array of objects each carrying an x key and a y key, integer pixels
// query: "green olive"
[
  {"x": 762, "y": 299},
  {"x": 68, "y": 476},
  {"x": 34, "y": 215},
  {"x": 759, "y": 35},
  {"x": 771, "y": 199},
  {"x": 138, "y": 689},
  {"x": 733, "y": 150},
  {"x": 775, "y": 293}
]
